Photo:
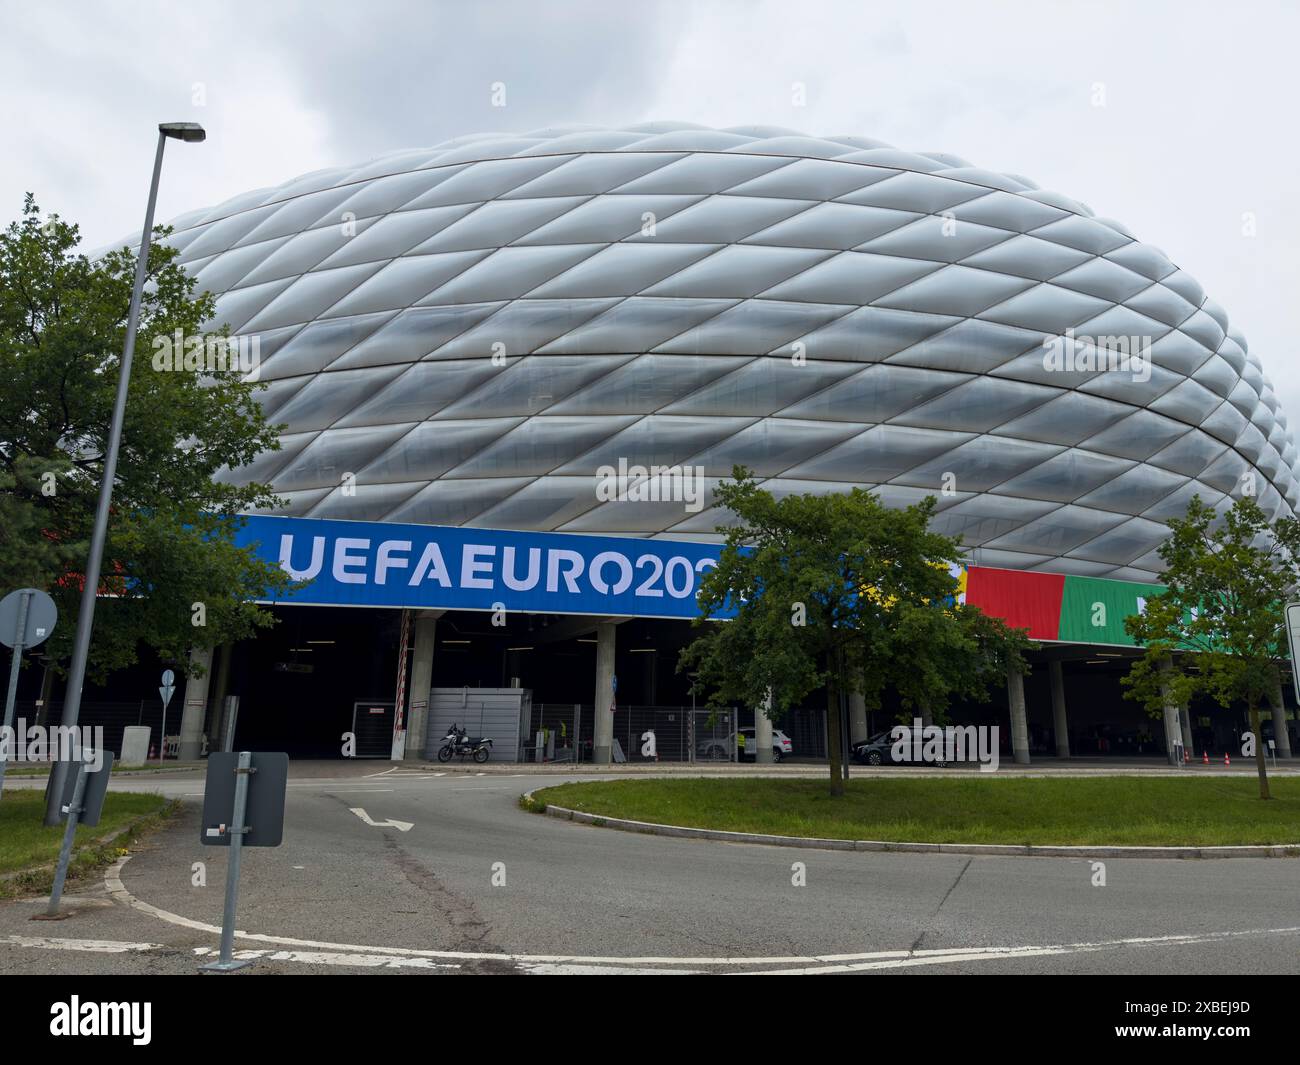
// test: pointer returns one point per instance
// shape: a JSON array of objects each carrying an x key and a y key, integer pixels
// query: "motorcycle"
[{"x": 458, "y": 741}]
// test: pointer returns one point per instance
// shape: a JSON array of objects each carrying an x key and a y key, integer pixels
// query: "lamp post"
[{"x": 182, "y": 131}]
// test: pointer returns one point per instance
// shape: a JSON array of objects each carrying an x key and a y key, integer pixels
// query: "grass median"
[
  {"x": 29, "y": 850},
  {"x": 1119, "y": 811}
]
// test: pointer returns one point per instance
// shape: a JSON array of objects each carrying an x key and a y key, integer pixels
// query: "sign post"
[
  {"x": 243, "y": 806},
  {"x": 166, "y": 690},
  {"x": 232, "y": 716},
  {"x": 82, "y": 807},
  {"x": 27, "y": 617}
]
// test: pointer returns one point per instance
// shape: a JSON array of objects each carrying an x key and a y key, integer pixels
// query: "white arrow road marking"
[
  {"x": 401, "y": 826},
  {"x": 806, "y": 964}
]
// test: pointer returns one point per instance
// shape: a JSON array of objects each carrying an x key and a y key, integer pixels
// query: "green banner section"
[{"x": 1093, "y": 609}]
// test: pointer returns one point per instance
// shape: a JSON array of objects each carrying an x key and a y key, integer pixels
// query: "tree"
[
  {"x": 946, "y": 654},
  {"x": 170, "y": 562},
  {"x": 1219, "y": 628},
  {"x": 837, "y": 592}
]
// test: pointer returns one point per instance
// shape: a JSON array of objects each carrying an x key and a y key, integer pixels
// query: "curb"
[
  {"x": 1285, "y": 850},
  {"x": 798, "y": 770}
]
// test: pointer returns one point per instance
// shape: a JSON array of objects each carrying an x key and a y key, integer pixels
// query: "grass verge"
[
  {"x": 1117, "y": 811},
  {"x": 29, "y": 850},
  {"x": 19, "y": 769}
]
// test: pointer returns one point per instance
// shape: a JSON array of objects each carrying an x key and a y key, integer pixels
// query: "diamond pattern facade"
[{"x": 473, "y": 329}]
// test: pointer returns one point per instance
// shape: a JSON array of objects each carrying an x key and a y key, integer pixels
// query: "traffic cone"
[
  {"x": 1226, "y": 759},
  {"x": 1186, "y": 757},
  {"x": 152, "y": 749},
  {"x": 1205, "y": 757}
]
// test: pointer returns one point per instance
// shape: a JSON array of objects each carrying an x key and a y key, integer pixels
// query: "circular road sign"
[{"x": 42, "y": 615}]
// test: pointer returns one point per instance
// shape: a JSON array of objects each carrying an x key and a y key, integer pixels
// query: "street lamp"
[{"x": 191, "y": 132}]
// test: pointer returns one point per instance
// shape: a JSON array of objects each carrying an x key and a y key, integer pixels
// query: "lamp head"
[{"x": 182, "y": 131}]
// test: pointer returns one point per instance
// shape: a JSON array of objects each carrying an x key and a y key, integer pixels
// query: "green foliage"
[
  {"x": 62, "y": 327},
  {"x": 1219, "y": 628},
  {"x": 841, "y": 592},
  {"x": 934, "y": 657}
]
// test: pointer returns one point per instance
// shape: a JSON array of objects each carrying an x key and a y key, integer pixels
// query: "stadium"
[{"x": 462, "y": 341}]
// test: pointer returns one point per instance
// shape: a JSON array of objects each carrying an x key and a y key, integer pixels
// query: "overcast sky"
[{"x": 1177, "y": 118}]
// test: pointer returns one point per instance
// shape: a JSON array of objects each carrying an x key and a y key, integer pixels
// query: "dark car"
[{"x": 879, "y": 750}]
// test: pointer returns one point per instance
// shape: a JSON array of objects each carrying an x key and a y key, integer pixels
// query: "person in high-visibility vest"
[{"x": 740, "y": 745}]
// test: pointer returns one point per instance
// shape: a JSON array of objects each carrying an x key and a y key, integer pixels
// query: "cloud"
[{"x": 1191, "y": 141}]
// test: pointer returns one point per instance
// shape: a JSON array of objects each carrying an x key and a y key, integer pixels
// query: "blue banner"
[{"x": 358, "y": 563}]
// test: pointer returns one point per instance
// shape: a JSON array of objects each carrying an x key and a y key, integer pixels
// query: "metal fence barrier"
[
  {"x": 113, "y": 718},
  {"x": 563, "y": 732}
]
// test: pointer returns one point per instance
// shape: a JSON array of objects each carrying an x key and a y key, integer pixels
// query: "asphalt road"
[{"x": 477, "y": 884}]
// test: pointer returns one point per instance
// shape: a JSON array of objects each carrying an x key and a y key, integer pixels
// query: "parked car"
[
  {"x": 879, "y": 750},
  {"x": 718, "y": 748}
]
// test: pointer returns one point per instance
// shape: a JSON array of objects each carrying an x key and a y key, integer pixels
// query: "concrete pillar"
[
  {"x": 417, "y": 712},
  {"x": 194, "y": 706},
  {"x": 1172, "y": 721},
  {"x": 1185, "y": 721},
  {"x": 1019, "y": 723},
  {"x": 1060, "y": 725},
  {"x": 1278, "y": 713},
  {"x": 1173, "y": 732},
  {"x": 216, "y": 720},
  {"x": 857, "y": 717},
  {"x": 602, "y": 743},
  {"x": 763, "y": 731}
]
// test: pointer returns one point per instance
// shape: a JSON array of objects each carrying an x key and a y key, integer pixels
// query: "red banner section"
[{"x": 1023, "y": 600}]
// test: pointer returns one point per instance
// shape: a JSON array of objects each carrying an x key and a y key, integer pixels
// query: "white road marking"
[
  {"x": 949, "y": 956},
  {"x": 401, "y": 826},
  {"x": 413, "y": 773},
  {"x": 552, "y": 969},
  {"x": 808, "y": 964},
  {"x": 302, "y": 957},
  {"x": 311, "y": 957},
  {"x": 94, "y": 946},
  {"x": 384, "y": 773}
]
